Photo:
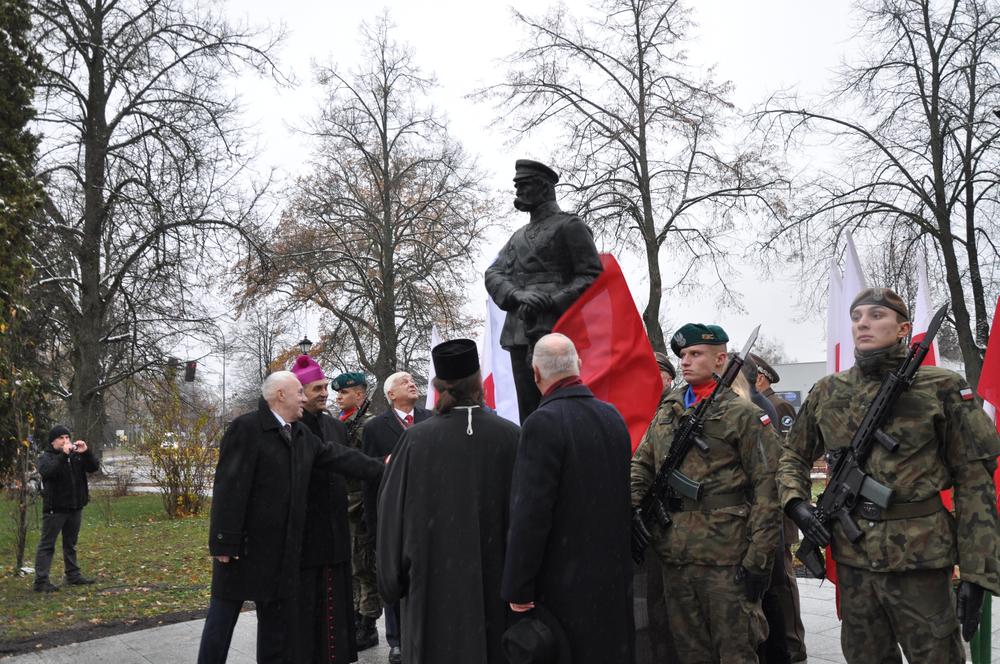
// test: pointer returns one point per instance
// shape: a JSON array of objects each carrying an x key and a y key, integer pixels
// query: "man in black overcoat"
[
  {"x": 443, "y": 511},
  {"x": 258, "y": 513},
  {"x": 380, "y": 437},
  {"x": 568, "y": 543}
]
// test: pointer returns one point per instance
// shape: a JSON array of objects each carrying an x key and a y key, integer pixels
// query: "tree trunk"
[{"x": 651, "y": 314}]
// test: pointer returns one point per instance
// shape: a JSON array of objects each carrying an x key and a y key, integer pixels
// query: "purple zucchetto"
[{"x": 306, "y": 370}]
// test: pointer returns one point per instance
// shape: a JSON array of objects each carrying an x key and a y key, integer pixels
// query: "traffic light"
[{"x": 189, "y": 368}]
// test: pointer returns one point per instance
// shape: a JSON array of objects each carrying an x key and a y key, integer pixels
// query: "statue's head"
[{"x": 534, "y": 184}]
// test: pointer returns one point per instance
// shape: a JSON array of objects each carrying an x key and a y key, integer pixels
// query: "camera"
[{"x": 73, "y": 447}]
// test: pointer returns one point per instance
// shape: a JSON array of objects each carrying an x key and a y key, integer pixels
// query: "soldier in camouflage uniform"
[
  {"x": 895, "y": 582},
  {"x": 718, "y": 553},
  {"x": 352, "y": 390}
]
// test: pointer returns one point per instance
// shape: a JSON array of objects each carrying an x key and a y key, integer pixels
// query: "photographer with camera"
[{"x": 63, "y": 466}]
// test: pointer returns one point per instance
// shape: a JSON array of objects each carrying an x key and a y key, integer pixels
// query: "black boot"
[{"x": 367, "y": 634}]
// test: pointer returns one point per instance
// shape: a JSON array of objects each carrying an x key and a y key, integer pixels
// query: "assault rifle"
[
  {"x": 358, "y": 421},
  {"x": 847, "y": 480},
  {"x": 669, "y": 481}
]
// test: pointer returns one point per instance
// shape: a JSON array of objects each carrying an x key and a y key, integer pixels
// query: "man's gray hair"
[
  {"x": 555, "y": 357},
  {"x": 390, "y": 382},
  {"x": 274, "y": 382}
]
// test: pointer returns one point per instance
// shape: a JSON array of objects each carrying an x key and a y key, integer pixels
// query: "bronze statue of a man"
[{"x": 544, "y": 267}]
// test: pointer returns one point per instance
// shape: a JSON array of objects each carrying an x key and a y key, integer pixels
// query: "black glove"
[
  {"x": 754, "y": 584},
  {"x": 804, "y": 516},
  {"x": 640, "y": 536},
  {"x": 969, "y": 605}
]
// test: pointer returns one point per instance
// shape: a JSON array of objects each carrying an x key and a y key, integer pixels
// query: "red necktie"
[{"x": 409, "y": 420}]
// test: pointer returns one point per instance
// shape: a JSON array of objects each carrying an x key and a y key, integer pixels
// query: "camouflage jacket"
[
  {"x": 741, "y": 459},
  {"x": 355, "y": 488},
  {"x": 946, "y": 441}
]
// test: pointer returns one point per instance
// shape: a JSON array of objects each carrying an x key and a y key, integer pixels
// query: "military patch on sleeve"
[
  {"x": 765, "y": 419},
  {"x": 966, "y": 393},
  {"x": 787, "y": 421}
]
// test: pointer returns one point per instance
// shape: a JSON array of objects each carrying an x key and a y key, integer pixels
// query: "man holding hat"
[
  {"x": 352, "y": 399},
  {"x": 443, "y": 520},
  {"x": 63, "y": 465},
  {"x": 544, "y": 267},
  {"x": 324, "y": 626},
  {"x": 718, "y": 553},
  {"x": 895, "y": 582}
]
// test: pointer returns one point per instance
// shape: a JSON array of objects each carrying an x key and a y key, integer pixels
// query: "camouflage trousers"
[
  {"x": 913, "y": 609},
  {"x": 366, "y": 599},
  {"x": 711, "y": 620}
]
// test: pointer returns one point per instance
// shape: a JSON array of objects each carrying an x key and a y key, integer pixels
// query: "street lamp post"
[{"x": 305, "y": 345}]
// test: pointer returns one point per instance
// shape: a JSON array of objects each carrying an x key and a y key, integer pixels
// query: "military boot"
[{"x": 367, "y": 634}]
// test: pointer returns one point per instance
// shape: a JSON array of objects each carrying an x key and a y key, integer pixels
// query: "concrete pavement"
[{"x": 176, "y": 644}]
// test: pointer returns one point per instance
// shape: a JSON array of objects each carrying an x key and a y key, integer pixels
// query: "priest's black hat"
[
  {"x": 537, "y": 638},
  {"x": 454, "y": 359}
]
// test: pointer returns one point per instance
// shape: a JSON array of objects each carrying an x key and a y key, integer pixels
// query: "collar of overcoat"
[{"x": 572, "y": 392}]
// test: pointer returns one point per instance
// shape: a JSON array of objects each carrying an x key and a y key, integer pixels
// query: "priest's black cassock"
[{"x": 442, "y": 530}]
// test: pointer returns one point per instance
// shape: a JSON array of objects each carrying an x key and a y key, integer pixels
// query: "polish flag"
[
  {"x": 498, "y": 377},
  {"x": 922, "y": 314},
  {"x": 431, "y": 392},
  {"x": 989, "y": 380}
]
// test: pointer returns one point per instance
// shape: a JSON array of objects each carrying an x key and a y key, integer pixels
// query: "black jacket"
[
  {"x": 568, "y": 543},
  {"x": 327, "y": 534},
  {"x": 259, "y": 503},
  {"x": 379, "y": 438},
  {"x": 64, "y": 479}
]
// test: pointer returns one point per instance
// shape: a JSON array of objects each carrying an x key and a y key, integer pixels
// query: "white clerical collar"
[{"x": 281, "y": 420}]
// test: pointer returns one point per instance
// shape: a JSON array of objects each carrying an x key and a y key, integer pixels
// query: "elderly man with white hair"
[
  {"x": 258, "y": 510},
  {"x": 379, "y": 440},
  {"x": 568, "y": 543}
]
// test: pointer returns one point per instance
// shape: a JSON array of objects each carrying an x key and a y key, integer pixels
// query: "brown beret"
[
  {"x": 883, "y": 297},
  {"x": 765, "y": 369},
  {"x": 665, "y": 365}
]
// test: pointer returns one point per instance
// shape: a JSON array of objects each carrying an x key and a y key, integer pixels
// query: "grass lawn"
[{"x": 144, "y": 564}]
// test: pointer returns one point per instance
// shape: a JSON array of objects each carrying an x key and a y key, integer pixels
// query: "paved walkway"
[{"x": 176, "y": 644}]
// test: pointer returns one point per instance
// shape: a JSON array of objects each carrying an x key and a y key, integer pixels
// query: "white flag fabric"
[
  {"x": 431, "y": 400},
  {"x": 922, "y": 313},
  {"x": 840, "y": 341},
  {"x": 498, "y": 377}
]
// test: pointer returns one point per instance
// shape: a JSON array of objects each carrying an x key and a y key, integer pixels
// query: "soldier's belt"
[
  {"x": 527, "y": 278},
  {"x": 872, "y": 512},
  {"x": 707, "y": 503}
]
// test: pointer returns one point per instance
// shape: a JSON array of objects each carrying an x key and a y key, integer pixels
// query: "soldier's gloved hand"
[
  {"x": 969, "y": 604},
  {"x": 754, "y": 584},
  {"x": 640, "y": 536},
  {"x": 804, "y": 516}
]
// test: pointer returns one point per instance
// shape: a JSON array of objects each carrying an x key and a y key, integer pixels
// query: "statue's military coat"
[
  {"x": 742, "y": 460},
  {"x": 946, "y": 441},
  {"x": 569, "y": 535},
  {"x": 555, "y": 255},
  {"x": 442, "y": 529}
]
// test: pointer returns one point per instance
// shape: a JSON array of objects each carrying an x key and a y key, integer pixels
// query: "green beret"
[
  {"x": 528, "y": 168},
  {"x": 883, "y": 297},
  {"x": 694, "y": 334},
  {"x": 352, "y": 379}
]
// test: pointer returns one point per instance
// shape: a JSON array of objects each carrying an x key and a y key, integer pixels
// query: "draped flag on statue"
[
  {"x": 922, "y": 314},
  {"x": 498, "y": 376},
  {"x": 844, "y": 287},
  {"x": 431, "y": 392},
  {"x": 617, "y": 362}
]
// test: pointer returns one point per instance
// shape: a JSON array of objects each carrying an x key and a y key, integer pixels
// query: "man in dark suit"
[
  {"x": 258, "y": 513},
  {"x": 568, "y": 542},
  {"x": 379, "y": 440}
]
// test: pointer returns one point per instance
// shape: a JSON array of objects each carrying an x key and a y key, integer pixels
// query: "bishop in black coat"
[
  {"x": 568, "y": 545},
  {"x": 443, "y": 514}
]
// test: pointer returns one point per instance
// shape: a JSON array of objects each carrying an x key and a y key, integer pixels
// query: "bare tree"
[
  {"x": 643, "y": 134},
  {"x": 143, "y": 161},
  {"x": 915, "y": 123},
  {"x": 382, "y": 232}
]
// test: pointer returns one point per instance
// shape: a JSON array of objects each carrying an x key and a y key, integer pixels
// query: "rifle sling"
[
  {"x": 871, "y": 512},
  {"x": 707, "y": 503}
]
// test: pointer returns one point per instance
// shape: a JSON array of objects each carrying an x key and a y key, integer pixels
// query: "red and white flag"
[
  {"x": 989, "y": 380},
  {"x": 922, "y": 313},
  {"x": 431, "y": 392},
  {"x": 844, "y": 287},
  {"x": 498, "y": 377}
]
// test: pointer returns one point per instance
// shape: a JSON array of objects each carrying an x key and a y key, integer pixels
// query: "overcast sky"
[{"x": 759, "y": 45}]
